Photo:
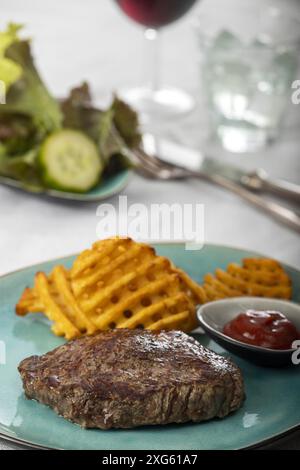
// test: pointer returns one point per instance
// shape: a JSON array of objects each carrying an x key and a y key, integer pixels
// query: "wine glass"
[{"x": 152, "y": 99}]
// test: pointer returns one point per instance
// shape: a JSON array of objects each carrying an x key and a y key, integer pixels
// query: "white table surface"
[{"x": 76, "y": 40}]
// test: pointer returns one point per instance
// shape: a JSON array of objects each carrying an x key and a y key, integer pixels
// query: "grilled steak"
[{"x": 125, "y": 378}]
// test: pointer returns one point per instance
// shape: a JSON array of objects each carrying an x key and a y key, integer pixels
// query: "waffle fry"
[
  {"x": 52, "y": 296},
  {"x": 29, "y": 303},
  {"x": 119, "y": 283},
  {"x": 194, "y": 291},
  {"x": 123, "y": 284},
  {"x": 256, "y": 277},
  {"x": 116, "y": 284},
  {"x": 53, "y": 308}
]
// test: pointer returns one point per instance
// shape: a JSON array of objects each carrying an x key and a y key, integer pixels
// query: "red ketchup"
[{"x": 269, "y": 329}]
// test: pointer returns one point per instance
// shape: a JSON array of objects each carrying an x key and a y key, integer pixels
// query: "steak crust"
[{"x": 125, "y": 378}]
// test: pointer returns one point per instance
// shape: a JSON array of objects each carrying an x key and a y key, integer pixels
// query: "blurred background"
[{"x": 93, "y": 40}]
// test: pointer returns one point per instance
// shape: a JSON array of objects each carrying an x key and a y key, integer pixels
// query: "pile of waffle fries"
[
  {"x": 258, "y": 277},
  {"x": 119, "y": 283}
]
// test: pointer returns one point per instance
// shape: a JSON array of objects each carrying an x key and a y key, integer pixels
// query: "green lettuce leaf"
[
  {"x": 17, "y": 133},
  {"x": 26, "y": 93},
  {"x": 23, "y": 168},
  {"x": 126, "y": 122},
  {"x": 8, "y": 36},
  {"x": 10, "y": 71},
  {"x": 115, "y": 130}
]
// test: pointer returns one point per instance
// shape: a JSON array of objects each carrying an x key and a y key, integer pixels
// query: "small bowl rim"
[{"x": 236, "y": 342}]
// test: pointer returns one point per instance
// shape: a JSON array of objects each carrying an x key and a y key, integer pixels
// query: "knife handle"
[
  {"x": 259, "y": 180},
  {"x": 280, "y": 213}
]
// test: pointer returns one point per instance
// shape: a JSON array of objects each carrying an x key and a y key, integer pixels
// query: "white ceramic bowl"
[{"x": 214, "y": 315}]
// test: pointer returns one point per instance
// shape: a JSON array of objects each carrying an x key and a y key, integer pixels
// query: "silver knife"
[{"x": 257, "y": 180}]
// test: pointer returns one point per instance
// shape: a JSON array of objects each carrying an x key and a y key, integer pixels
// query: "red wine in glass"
[
  {"x": 155, "y": 13},
  {"x": 152, "y": 100}
]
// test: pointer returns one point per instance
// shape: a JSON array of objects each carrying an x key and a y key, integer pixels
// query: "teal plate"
[
  {"x": 107, "y": 188},
  {"x": 272, "y": 407}
]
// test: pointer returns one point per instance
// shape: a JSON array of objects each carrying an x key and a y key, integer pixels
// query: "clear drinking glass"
[
  {"x": 248, "y": 63},
  {"x": 151, "y": 98}
]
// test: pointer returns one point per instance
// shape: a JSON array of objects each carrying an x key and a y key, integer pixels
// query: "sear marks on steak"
[{"x": 124, "y": 378}]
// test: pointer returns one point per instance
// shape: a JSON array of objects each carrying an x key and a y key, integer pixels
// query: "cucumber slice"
[{"x": 70, "y": 161}]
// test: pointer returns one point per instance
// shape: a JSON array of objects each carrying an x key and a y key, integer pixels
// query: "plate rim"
[
  {"x": 69, "y": 196},
  {"x": 255, "y": 445}
]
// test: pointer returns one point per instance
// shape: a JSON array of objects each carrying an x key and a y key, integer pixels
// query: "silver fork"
[{"x": 156, "y": 168}]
